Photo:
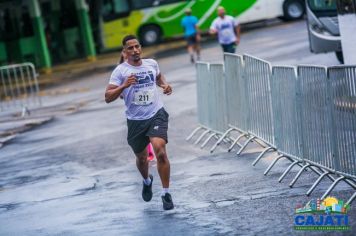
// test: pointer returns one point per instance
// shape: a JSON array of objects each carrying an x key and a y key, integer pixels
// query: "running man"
[
  {"x": 228, "y": 30},
  {"x": 191, "y": 33},
  {"x": 151, "y": 155},
  {"x": 147, "y": 120}
]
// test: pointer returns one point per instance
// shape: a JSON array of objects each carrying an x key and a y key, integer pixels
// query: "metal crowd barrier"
[
  {"x": 19, "y": 87},
  {"x": 236, "y": 91},
  {"x": 315, "y": 121},
  {"x": 285, "y": 109},
  {"x": 316, "y": 116},
  {"x": 212, "y": 108},
  {"x": 307, "y": 114},
  {"x": 342, "y": 87},
  {"x": 203, "y": 112},
  {"x": 236, "y": 109},
  {"x": 258, "y": 75},
  {"x": 343, "y": 97}
]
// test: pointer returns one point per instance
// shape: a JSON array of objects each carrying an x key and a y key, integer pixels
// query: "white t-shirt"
[
  {"x": 142, "y": 99},
  {"x": 225, "y": 28}
]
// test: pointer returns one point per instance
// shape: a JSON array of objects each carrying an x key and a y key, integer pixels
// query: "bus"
[
  {"x": 155, "y": 20},
  {"x": 323, "y": 27}
]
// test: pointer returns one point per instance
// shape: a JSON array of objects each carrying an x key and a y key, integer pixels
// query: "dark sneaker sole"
[
  {"x": 167, "y": 205},
  {"x": 147, "y": 190}
]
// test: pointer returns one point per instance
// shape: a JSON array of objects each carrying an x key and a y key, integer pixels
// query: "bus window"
[
  {"x": 113, "y": 9},
  {"x": 11, "y": 29},
  {"x": 2, "y": 25},
  {"x": 139, "y": 4},
  {"x": 26, "y": 23},
  {"x": 323, "y": 5},
  {"x": 162, "y": 2},
  {"x": 68, "y": 18}
]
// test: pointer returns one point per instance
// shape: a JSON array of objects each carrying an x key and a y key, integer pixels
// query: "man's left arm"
[
  {"x": 237, "y": 30},
  {"x": 198, "y": 37},
  {"x": 161, "y": 82}
]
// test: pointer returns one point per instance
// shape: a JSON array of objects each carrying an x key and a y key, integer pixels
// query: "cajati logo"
[{"x": 327, "y": 214}]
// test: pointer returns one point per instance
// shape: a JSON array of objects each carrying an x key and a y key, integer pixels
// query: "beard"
[{"x": 136, "y": 58}]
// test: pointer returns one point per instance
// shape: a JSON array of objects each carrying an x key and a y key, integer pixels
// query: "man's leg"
[
  {"x": 191, "y": 52},
  {"x": 163, "y": 166},
  {"x": 138, "y": 141},
  {"x": 232, "y": 48},
  {"x": 197, "y": 50},
  {"x": 142, "y": 166},
  {"x": 224, "y": 48},
  {"x": 142, "y": 163}
]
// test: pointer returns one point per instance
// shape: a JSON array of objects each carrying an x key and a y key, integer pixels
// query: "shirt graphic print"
[{"x": 142, "y": 100}]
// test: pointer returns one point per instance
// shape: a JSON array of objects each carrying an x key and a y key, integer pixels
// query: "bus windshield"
[{"x": 322, "y": 5}]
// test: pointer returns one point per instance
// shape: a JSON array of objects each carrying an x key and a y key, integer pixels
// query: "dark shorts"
[
  {"x": 139, "y": 131},
  {"x": 191, "y": 39},
  {"x": 231, "y": 48}
]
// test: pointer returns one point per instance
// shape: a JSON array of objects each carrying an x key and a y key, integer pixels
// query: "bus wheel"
[
  {"x": 340, "y": 57},
  {"x": 293, "y": 9},
  {"x": 150, "y": 34}
]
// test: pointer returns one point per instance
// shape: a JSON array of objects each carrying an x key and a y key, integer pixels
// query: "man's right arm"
[
  {"x": 113, "y": 91},
  {"x": 213, "y": 29}
]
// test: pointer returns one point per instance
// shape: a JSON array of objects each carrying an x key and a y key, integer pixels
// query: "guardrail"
[
  {"x": 211, "y": 86},
  {"x": 307, "y": 114},
  {"x": 19, "y": 88}
]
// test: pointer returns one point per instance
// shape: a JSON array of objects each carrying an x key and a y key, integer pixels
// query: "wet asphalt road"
[{"x": 76, "y": 175}]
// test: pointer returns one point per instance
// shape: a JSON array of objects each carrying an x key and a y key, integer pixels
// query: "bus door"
[
  {"x": 323, "y": 26},
  {"x": 114, "y": 22}
]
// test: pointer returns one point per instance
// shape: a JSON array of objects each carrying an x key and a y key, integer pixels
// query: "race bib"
[{"x": 143, "y": 97}]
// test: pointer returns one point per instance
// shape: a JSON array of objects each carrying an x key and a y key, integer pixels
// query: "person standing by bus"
[
  {"x": 137, "y": 80},
  {"x": 228, "y": 30},
  {"x": 191, "y": 34}
]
